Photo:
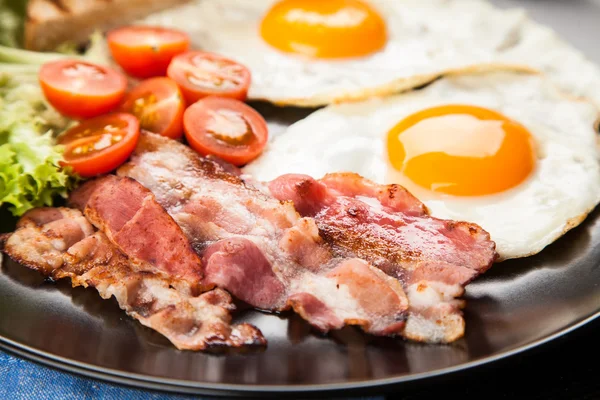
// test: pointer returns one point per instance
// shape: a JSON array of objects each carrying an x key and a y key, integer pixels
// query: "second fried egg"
[{"x": 509, "y": 152}]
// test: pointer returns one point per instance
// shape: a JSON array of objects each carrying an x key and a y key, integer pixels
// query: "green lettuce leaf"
[{"x": 30, "y": 174}]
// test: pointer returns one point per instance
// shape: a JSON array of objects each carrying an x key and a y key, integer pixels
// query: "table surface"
[{"x": 564, "y": 369}]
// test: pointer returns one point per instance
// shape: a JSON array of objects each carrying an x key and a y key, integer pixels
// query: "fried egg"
[
  {"x": 313, "y": 52},
  {"x": 507, "y": 151},
  {"x": 316, "y": 52}
]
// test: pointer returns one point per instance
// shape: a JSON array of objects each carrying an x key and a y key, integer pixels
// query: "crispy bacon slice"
[
  {"x": 61, "y": 243},
  {"x": 387, "y": 226},
  {"x": 259, "y": 248}
]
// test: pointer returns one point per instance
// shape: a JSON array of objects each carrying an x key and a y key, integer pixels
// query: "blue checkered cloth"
[{"x": 24, "y": 380}]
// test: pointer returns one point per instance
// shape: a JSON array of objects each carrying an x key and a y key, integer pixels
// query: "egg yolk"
[
  {"x": 461, "y": 150},
  {"x": 324, "y": 28}
]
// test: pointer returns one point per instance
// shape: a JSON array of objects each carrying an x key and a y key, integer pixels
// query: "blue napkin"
[{"x": 24, "y": 380}]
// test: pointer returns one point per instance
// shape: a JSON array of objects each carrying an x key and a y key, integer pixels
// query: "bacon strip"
[
  {"x": 132, "y": 219},
  {"x": 61, "y": 243},
  {"x": 258, "y": 248},
  {"x": 385, "y": 225}
]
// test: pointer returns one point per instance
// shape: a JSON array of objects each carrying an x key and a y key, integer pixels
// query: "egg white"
[
  {"x": 427, "y": 38},
  {"x": 563, "y": 188}
]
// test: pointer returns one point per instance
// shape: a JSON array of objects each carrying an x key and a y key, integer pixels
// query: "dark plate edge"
[{"x": 189, "y": 387}]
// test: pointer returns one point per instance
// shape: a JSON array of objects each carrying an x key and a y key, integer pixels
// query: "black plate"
[{"x": 516, "y": 306}]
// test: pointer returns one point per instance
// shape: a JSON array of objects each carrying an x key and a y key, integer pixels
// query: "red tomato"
[
  {"x": 201, "y": 74},
  {"x": 159, "y": 105},
  {"x": 226, "y": 128},
  {"x": 146, "y": 51},
  {"x": 79, "y": 89},
  {"x": 99, "y": 145}
]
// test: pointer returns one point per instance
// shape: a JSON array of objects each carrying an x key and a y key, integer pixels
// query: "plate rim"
[{"x": 140, "y": 381}]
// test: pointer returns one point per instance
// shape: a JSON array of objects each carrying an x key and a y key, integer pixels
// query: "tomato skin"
[
  {"x": 236, "y": 76},
  {"x": 159, "y": 105},
  {"x": 81, "y": 90},
  {"x": 108, "y": 158},
  {"x": 146, "y": 51},
  {"x": 200, "y": 123}
]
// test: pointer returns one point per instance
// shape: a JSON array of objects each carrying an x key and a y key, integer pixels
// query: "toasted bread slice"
[{"x": 52, "y": 22}]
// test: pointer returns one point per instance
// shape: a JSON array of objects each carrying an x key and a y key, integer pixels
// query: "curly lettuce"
[{"x": 30, "y": 171}]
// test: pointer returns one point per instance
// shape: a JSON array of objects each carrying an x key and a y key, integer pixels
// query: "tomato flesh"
[
  {"x": 146, "y": 51},
  {"x": 79, "y": 89},
  {"x": 200, "y": 74},
  {"x": 226, "y": 128},
  {"x": 159, "y": 106},
  {"x": 100, "y": 145}
]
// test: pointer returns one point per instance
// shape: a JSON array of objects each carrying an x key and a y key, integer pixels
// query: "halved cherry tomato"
[
  {"x": 146, "y": 51},
  {"x": 226, "y": 128},
  {"x": 79, "y": 89},
  {"x": 159, "y": 105},
  {"x": 201, "y": 74},
  {"x": 99, "y": 145}
]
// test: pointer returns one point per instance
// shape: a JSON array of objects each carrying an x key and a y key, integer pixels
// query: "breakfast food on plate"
[
  {"x": 99, "y": 145},
  {"x": 506, "y": 151},
  {"x": 391, "y": 229},
  {"x": 311, "y": 53},
  {"x": 158, "y": 104},
  {"x": 201, "y": 74},
  {"x": 189, "y": 221},
  {"x": 61, "y": 243},
  {"x": 374, "y": 214},
  {"x": 146, "y": 51},
  {"x": 80, "y": 89},
  {"x": 225, "y": 128}
]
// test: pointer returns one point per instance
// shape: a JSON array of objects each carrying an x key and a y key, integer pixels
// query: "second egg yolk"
[
  {"x": 324, "y": 28},
  {"x": 461, "y": 150}
]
